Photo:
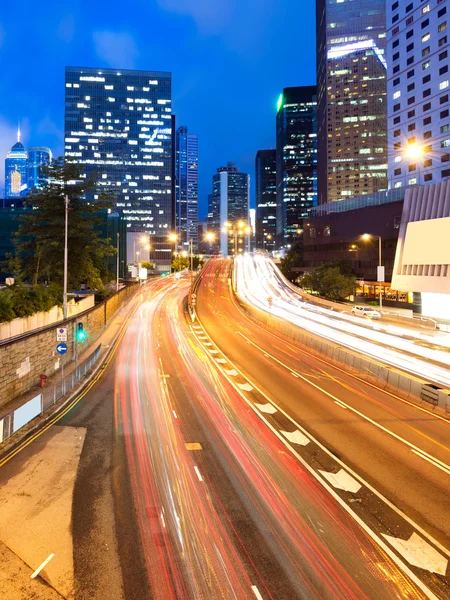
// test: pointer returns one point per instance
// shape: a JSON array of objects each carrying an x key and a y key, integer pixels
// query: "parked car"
[{"x": 366, "y": 311}]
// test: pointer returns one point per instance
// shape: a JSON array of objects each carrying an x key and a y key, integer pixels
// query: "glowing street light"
[
  {"x": 367, "y": 237},
  {"x": 414, "y": 151},
  {"x": 173, "y": 237}
]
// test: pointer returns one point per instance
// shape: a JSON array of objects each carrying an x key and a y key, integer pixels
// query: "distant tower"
[
  {"x": 16, "y": 170},
  {"x": 186, "y": 190},
  {"x": 38, "y": 156}
]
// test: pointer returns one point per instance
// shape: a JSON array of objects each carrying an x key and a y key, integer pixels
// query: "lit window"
[
  {"x": 443, "y": 85},
  {"x": 398, "y": 184},
  {"x": 426, "y": 65},
  {"x": 396, "y": 94},
  {"x": 426, "y": 9},
  {"x": 426, "y": 37}
]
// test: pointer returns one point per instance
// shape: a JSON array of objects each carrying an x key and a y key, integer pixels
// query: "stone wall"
[{"x": 24, "y": 358}]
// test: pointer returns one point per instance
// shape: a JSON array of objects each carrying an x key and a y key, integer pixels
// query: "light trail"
[{"x": 257, "y": 279}]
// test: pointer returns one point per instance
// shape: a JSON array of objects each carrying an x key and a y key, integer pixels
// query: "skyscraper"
[
  {"x": 266, "y": 198},
  {"x": 418, "y": 92},
  {"x": 118, "y": 124},
  {"x": 186, "y": 186},
  {"x": 296, "y": 158},
  {"x": 16, "y": 170},
  {"x": 38, "y": 156},
  {"x": 351, "y": 96},
  {"x": 229, "y": 203}
]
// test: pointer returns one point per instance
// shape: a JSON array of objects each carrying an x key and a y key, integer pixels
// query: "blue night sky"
[{"x": 229, "y": 61}]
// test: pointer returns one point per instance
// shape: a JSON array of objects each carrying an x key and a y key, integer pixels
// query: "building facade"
[
  {"x": 229, "y": 204},
  {"x": 16, "y": 180},
  {"x": 266, "y": 199},
  {"x": 422, "y": 260},
  {"x": 38, "y": 156},
  {"x": 351, "y": 98},
  {"x": 186, "y": 186},
  {"x": 118, "y": 124},
  {"x": 296, "y": 160},
  {"x": 418, "y": 92}
]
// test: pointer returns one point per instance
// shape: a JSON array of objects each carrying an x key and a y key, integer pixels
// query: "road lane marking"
[
  {"x": 256, "y": 592},
  {"x": 419, "y": 553},
  {"x": 41, "y": 566},
  {"x": 339, "y": 403},
  {"x": 266, "y": 408},
  {"x": 162, "y": 519},
  {"x": 213, "y": 351},
  {"x": 296, "y": 437},
  {"x": 222, "y": 361},
  {"x": 175, "y": 414},
  {"x": 231, "y": 372},
  {"x": 200, "y": 478},
  {"x": 434, "y": 461},
  {"x": 342, "y": 481},
  {"x": 207, "y": 343},
  {"x": 193, "y": 446},
  {"x": 294, "y": 374},
  {"x": 246, "y": 387},
  {"x": 348, "y": 407}
]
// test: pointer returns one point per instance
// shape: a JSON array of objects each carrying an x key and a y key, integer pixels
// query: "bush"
[{"x": 21, "y": 301}]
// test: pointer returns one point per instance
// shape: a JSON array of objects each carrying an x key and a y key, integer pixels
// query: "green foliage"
[
  {"x": 293, "y": 259},
  {"x": 180, "y": 262},
  {"x": 23, "y": 301},
  {"x": 147, "y": 265},
  {"x": 40, "y": 252},
  {"x": 332, "y": 280}
]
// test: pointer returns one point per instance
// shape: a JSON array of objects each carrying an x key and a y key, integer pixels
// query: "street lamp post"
[
  {"x": 66, "y": 236},
  {"x": 380, "y": 270},
  {"x": 117, "y": 263},
  {"x": 192, "y": 258}
]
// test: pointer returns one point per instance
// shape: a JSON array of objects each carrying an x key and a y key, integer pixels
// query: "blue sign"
[{"x": 61, "y": 348}]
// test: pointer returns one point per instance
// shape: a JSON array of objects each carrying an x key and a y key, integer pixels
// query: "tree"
[
  {"x": 331, "y": 280},
  {"x": 40, "y": 252},
  {"x": 181, "y": 262},
  {"x": 147, "y": 265},
  {"x": 293, "y": 259}
]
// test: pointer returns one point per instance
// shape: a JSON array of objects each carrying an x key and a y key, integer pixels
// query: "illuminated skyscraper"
[
  {"x": 186, "y": 190},
  {"x": 229, "y": 203},
  {"x": 118, "y": 124},
  {"x": 266, "y": 198},
  {"x": 38, "y": 156},
  {"x": 16, "y": 170},
  {"x": 351, "y": 97},
  {"x": 296, "y": 157}
]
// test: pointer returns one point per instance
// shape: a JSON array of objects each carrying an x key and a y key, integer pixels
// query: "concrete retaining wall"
[
  {"x": 24, "y": 358},
  {"x": 42, "y": 319},
  {"x": 384, "y": 377}
]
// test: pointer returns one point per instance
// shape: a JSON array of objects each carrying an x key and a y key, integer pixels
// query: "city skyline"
[{"x": 180, "y": 43}]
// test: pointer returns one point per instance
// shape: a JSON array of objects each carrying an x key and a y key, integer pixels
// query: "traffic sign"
[
  {"x": 61, "y": 334},
  {"x": 61, "y": 348}
]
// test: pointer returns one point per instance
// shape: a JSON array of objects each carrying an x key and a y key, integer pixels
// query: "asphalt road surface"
[{"x": 171, "y": 478}]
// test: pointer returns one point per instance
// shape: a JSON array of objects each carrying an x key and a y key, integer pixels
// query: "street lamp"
[
  {"x": 380, "y": 271},
  {"x": 236, "y": 229}
]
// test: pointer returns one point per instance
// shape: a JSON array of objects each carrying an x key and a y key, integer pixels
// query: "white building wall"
[
  {"x": 418, "y": 35},
  {"x": 422, "y": 260}
]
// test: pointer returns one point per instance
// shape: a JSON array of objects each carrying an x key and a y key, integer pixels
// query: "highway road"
[
  {"x": 425, "y": 354},
  {"x": 398, "y": 451},
  {"x": 177, "y": 476}
]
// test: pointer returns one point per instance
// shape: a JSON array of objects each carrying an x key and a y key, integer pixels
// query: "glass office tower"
[
  {"x": 351, "y": 96},
  {"x": 38, "y": 156},
  {"x": 118, "y": 124},
  {"x": 229, "y": 203},
  {"x": 186, "y": 190},
  {"x": 266, "y": 198},
  {"x": 16, "y": 182},
  {"x": 296, "y": 161}
]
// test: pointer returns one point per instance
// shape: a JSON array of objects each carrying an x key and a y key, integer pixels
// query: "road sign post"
[{"x": 61, "y": 348}]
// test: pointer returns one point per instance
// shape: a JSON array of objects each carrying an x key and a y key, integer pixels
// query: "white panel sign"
[
  {"x": 380, "y": 274},
  {"x": 61, "y": 334},
  {"x": 427, "y": 242}
]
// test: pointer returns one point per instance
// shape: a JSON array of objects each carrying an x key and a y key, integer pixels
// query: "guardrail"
[{"x": 18, "y": 418}]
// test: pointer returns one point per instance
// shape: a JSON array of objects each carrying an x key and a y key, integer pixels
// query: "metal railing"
[{"x": 15, "y": 420}]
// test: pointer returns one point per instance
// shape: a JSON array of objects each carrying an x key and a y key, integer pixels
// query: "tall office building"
[
  {"x": 266, "y": 198},
  {"x": 16, "y": 184},
  {"x": 351, "y": 98},
  {"x": 118, "y": 124},
  {"x": 229, "y": 203},
  {"x": 38, "y": 156},
  {"x": 418, "y": 92},
  {"x": 186, "y": 186},
  {"x": 296, "y": 160}
]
